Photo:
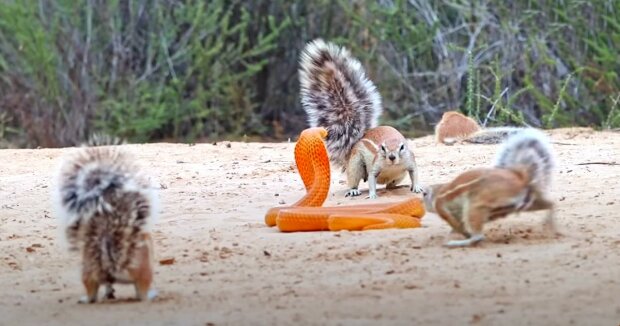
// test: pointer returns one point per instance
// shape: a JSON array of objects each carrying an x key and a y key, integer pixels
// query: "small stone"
[{"x": 167, "y": 261}]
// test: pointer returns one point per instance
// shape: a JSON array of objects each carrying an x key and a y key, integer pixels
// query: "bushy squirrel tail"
[
  {"x": 106, "y": 183},
  {"x": 493, "y": 135},
  {"x": 337, "y": 95},
  {"x": 529, "y": 149},
  {"x": 102, "y": 139}
]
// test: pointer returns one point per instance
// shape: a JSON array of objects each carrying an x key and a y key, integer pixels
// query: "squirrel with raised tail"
[
  {"x": 519, "y": 180},
  {"x": 106, "y": 205},
  {"x": 454, "y": 127},
  {"x": 337, "y": 95}
]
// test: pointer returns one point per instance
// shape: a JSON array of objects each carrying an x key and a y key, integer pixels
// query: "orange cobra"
[{"x": 308, "y": 215}]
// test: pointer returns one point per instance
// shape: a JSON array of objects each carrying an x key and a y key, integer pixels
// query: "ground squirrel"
[
  {"x": 519, "y": 180},
  {"x": 454, "y": 127},
  {"x": 337, "y": 95},
  {"x": 105, "y": 206}
]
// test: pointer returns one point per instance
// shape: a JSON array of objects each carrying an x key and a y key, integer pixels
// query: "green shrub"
[{"x": 183, "y": 70}]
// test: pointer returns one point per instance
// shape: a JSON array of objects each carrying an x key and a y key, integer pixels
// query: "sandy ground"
[{"x": 230, "y": 269}]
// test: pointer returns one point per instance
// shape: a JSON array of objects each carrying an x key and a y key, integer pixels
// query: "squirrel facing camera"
[
  {"x": 337, "y": 95},
  {"x": 105, "y": 206}
]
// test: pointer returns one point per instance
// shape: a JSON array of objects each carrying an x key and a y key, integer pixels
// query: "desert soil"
[{"x": 228, "y": 268}]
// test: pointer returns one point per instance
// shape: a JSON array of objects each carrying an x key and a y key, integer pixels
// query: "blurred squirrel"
[
  {"x": 454, "y": 127},
  {"x": 337, "y": 95},
  {"x": 519, "y": 180},
  {"x": 106, "y": 206}
]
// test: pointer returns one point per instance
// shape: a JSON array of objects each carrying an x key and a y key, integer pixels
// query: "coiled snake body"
[{"x": 308, "y": 215}]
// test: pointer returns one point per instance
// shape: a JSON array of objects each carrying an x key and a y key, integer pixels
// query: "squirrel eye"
[
  {"x": 402, "y": 147},
  {"x": 383, "y": 148}
]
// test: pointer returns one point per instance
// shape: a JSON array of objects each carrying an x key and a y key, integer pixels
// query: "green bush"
[
  {"x": 140, "y": 69},
  {"x": 523, "y": 53},
  {"x": 184, "y": 70}
]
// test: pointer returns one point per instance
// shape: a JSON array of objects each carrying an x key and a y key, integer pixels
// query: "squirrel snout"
[{"x": 392, "y": 157}]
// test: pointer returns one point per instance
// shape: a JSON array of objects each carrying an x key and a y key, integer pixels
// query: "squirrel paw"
[
  {"x": 417, "y": 188},
  {"x": 85, "y": 300},
  {"x": 550, "y": 228},
  {"x": 549, "y": 224},
  {"x": 146, "y": 295},
  {"x": 152, "y": 294},
  {"x": 372, "y": 196},
  {"x": 353, "y": 193},
  {"x": 465, "y": 243},
  {"x": 109, "y": 293}
]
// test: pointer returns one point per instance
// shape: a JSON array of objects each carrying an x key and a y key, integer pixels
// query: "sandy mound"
[{"x": 230, "y": 269}]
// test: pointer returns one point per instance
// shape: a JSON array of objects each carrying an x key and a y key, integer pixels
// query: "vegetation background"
[{"x": 191, "y": 70}]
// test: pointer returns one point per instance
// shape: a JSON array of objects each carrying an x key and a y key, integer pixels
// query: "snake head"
[{"x": 315, "y": 131}]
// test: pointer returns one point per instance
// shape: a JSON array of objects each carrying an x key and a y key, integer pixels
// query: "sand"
[{"x": 230, "y": 269}]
